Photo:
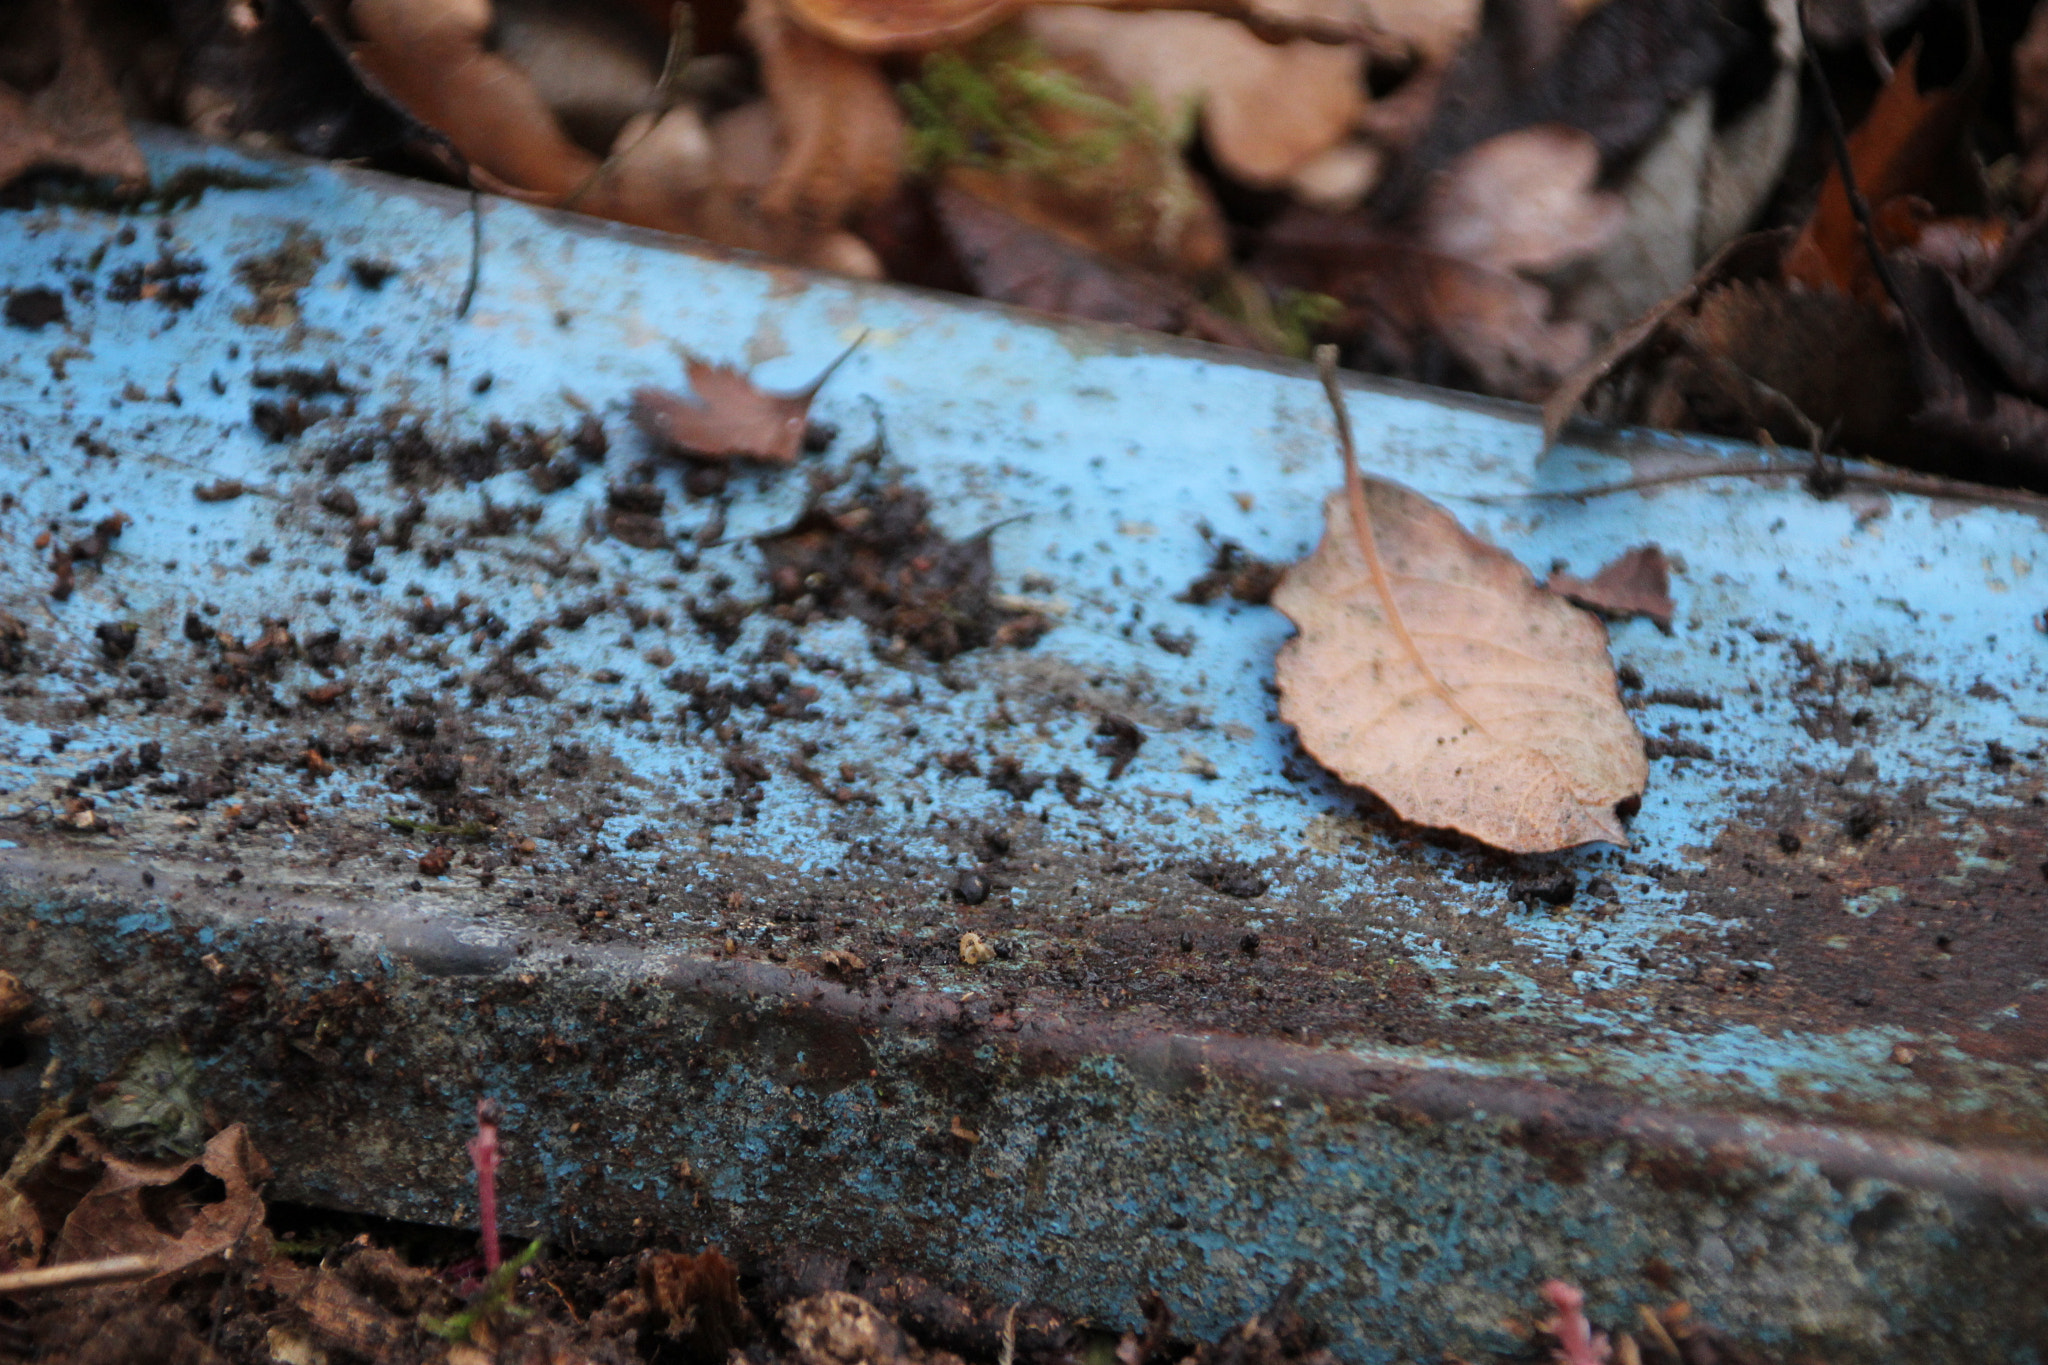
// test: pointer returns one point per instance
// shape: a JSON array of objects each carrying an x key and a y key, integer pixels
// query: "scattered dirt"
[
  {"x": 277, "y": 277},
  {"x": 1234, "y": 573},
  {"x": 170, "y": 280},
  {"x": 552, "y": 457},
  {"x": 876, "y": 557},
  {"x": 34, "y": 308}
]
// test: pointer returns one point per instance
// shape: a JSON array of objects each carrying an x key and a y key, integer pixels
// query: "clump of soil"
[
  {"x": 876, "y": 557},
  {"x": 551, "y": 457}
]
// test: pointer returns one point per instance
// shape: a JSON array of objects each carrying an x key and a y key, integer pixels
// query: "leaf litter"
[{"x": 1433, "y": 671}]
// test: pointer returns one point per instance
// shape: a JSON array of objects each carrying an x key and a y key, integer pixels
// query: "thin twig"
[
  {"x": 1845, "y": 167},
  {"x": 1882, "y": 481},
  {"x": 1368, "y": 543},
  {"x": 107, "y": 1270}
]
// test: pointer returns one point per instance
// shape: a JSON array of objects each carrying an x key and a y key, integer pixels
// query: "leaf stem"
[{"x": 1368, "y": 544}]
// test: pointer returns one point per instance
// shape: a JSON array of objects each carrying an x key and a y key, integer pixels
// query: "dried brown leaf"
[
  {"x": 1013, "y": 261},
  {"x": 35, "y": 1193},
  {"x": 1746, "y": 257},
  {"x": 1636, "y": 583},
  {"x": 842, "y": 132},
  {"x": 730, "y": 418},
  {"x": 75, "y": 121},
  {"x": 1431, "y": 669},
  {"x": 140, "y": 1208},
  {"x": 1522, "y": 201}
]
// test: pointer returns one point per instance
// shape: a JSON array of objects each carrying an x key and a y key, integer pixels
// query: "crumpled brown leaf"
[
  {"x": 1635, "y": 583},
  {"x": 434, "y": 57},
  {"x": 730, "y": 418},
  {"x": 73, "y": 123},
  {"x": 1431, "y": 669},
  {"x": 137, "y": 1209},
  {"x": 1524, "y": 200},
  {"x": 1012, "y": 261}
]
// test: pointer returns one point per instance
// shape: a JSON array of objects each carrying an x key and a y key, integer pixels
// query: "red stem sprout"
[
  {"x": 1578, "y": 1343},
  {"x": 483, "y": 1154}
]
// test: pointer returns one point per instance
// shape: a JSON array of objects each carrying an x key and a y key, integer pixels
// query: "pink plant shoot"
[
  {"x": 1578, "y": 1343},
  {"x": 483, "y": 1154}
]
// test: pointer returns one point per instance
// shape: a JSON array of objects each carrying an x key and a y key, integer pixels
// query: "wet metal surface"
[{"x": 381, "y": 589}]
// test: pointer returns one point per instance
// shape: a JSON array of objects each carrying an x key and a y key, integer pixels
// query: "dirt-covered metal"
[{"x": 383, "y": 718}]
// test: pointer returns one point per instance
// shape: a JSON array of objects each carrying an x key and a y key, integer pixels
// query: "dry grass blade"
[
  {"x": 1432, "y": 670},
  {"x": 79, "y": 1273}
]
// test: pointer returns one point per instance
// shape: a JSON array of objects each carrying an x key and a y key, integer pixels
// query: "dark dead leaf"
[
  {"x": 159, "y": 1209},
  {"x": 729, "y": 418},
  {"x": 1011, "y": 261},
  {"x": 1754, "y": 256},
  {"x": 74, "y": 123},
  {"x": 42, "y": 1184},
  {"x": 1638, "y": 583},
  {"x": 1965, "y": 401},
  {"x": 1433, "y": 671},
  {"x": 1407, "y": 306},
  {"x": 284, "y": 70}
]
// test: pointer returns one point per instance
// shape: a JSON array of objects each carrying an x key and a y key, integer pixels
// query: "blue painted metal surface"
[{"x": 1826, "y": 954}]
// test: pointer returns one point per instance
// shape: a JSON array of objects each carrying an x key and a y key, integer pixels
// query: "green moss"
[{"x": 990, "y": 105}]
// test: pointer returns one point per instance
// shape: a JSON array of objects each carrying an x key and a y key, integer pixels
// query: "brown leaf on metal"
[
  {"x": 72, "y": 123},
  {"x": 1638, "y": 583},
  {"x": 730, "y": 418},
  {"x": 1433, "y": 671}
]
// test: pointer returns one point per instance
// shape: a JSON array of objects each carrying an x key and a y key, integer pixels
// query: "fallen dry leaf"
[
  {"x": 1406, "y": 303},
  {"x": 730, "y": 418},
  {"x": 1636, "y": 583},
  {"x": 1013, "y": 261},
  {"x": 699, "y": 1296},
  {"x": 32, "y": 1192},
  {"x": 434, "y": 58},
  {"x": 74, "y": 122},
  {"x": 841, "y": 129},
  {"x": 1524, "y": 200},
  {"x": 135, "y": 1208},
  {"x": 1431, "y": 669},
  {"x": 1266, "y": 109}
]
